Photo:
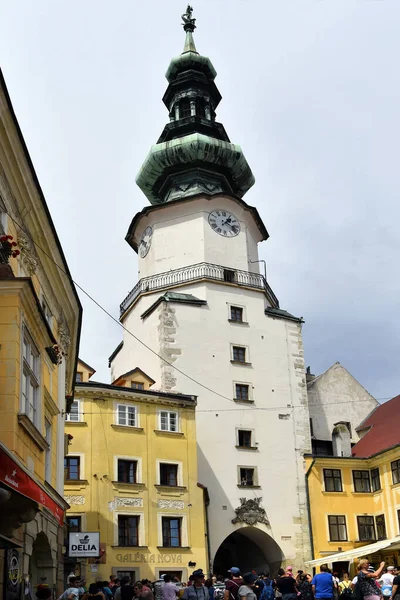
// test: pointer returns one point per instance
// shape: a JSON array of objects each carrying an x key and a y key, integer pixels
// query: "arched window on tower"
[
  {"x": 200, "y": 108},
  {"x": 184, "y": 108}
]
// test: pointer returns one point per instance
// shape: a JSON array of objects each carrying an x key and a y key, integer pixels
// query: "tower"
[{"x": 216, "y": 327}]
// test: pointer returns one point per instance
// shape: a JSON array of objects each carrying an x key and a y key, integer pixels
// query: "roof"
[
  {"x": 88, "y": 367},
  {"x": 135, "y": 370},
  {"x": 114, "y": 354},
  {"x": 174, "y": 297},
  {"x": 282, "y": 314},
  {"x": 384, "y": 431},
  {"x": 93, "y": 385}
]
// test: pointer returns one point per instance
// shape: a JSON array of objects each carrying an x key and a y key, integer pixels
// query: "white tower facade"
[{"x": 216, "y": 329}]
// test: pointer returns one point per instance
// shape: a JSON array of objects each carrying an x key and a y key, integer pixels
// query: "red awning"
[{"x": 18, "y": 480}]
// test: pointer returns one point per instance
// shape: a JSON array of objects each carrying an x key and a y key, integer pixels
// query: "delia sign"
[{"x": 84, "y": 544}]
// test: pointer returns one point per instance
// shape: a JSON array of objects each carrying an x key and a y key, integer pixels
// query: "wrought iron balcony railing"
[{"x": 198, "y": 272}]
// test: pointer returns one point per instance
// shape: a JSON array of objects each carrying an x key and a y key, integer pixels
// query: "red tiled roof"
[{"x": 384, "y": 430}]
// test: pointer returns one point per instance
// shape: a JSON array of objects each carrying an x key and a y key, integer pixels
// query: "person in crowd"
[
  {"x": 304, "y": 586},
  {"x": 386, "y": 582},
  {"x": 95, "y": 591},
  {"x": 366, "y": 580},
  {"x": 43, "y": 592},
  {"x": 111, "y": 583},
  {"x": 196, "y": 591},
  {"x": 247, "y": 591},
  {"x": 285, "y": 583},
  {"x": 139, "y": 592},
  {"x": 125, "y": 590},
  {"x": 345, "y": 589},
  {"x": 323, "y": 584},
  {"x": 107, "y": 590},
  {"x": 219, "y": 587},
  {"x": 117, "y": 584},
  {"x": 396, "y": 585},
  {"x": 211, "y": 589},
  {"x": 169, "y": 590},
  {"x": 268, "y": 592},
  {"x": 259, "y": 585},
  {"x": 72, "y": 591},
  {"x": 233, "y": 584},
  {"x": 157, "y": 588}
]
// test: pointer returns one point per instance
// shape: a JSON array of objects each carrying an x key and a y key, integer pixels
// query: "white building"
[{"x": 212, "y": 319}]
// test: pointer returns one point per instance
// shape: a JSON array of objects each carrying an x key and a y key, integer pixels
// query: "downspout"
[
  {"x": 309, "y": 510},
  {"x": 206, "y": 498}
]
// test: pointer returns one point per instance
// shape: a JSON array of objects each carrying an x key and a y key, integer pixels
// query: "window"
[
  {"x": 337, "y": 528},
  {"x": 74, "y": 524},
  {"x": 127, "y": 471},
  {"x": 244, "y": 438},
  {"x": 128, "y": 530},
  {"x": 239, "y": 354},
  {"x": 361, "y": 481},
  {"x": 237, "y": 314},
  {"x": 396, "y": 471},
  {"x": 247, "y": 477},
  {"x": 171, "y": 531},
  {"x": 30, "y": 378},
  {"x": 137, "y": 385},
  {"x": 48, "y": 436},
  {"x": 168, "y": 421},
  {"x": 79, "y": 377},
  {"x": 185, "y": 108},
  {"x": 242, "y": 391},
  {"x": 72, "y": 468},
  {"x": 366, "y": 529},
  {"x": 126, "y": 415},
  {"x": 380, "y": 527},
  {"x": 74, "y": 415},
  {"x": 229, "y": 275},
  {"x": 311, "y": 428},
  {"x": 168, "y": 474},
  {"x": 398, "y": 519},
  {"x": 333, "y": 480},
  {"x": 46, "y": 310},
  {"x": 375, "y": 479}
]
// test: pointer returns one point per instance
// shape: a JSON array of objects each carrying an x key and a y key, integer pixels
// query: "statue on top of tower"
[{"x": 189, "y": 23}]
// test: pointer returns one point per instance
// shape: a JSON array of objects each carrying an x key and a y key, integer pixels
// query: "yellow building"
[
  {"x": 40, "y": 319},
  {"x": 131, "y": 474},
  {"x": 354, "y": 500}
]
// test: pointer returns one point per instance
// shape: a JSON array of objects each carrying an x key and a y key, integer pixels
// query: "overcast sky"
[{"x": 310, "y": 91}]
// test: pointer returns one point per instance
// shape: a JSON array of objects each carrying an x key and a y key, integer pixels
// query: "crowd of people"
[{"x": 368, "y": 584}]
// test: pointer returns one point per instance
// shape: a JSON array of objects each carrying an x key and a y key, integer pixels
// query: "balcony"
[{"x": 199, "y": 272}]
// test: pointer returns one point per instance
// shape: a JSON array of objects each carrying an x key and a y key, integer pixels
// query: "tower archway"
[{"x": 248, "y": 548}]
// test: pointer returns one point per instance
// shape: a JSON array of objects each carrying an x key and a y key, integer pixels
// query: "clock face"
[
  {"x": 145, "y": 242},
  {"x": 224, "y": 223}
]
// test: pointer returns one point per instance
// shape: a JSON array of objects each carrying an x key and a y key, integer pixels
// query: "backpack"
[
  {"x": 219, "y": 593},
  {"x": 346, "y": 592},
  {"x": 268, "y": 592}
]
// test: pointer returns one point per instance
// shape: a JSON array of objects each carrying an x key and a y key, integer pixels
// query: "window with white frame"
[
  {"x": 127, "y": 415},
  {"x": 75, "y": 414},
  {"x": 30, "y": 377},
  {"x": 168, "y": 420}
]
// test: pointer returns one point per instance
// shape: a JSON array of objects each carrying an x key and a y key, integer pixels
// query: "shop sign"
[
  {"x": 84, "y": 544},
  {"x": 138, "y": 557}
]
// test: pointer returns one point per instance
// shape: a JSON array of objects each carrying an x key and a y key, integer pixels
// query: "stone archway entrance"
[
  {"x": 248, "y": 548},
  {"x": 42, "y": 569}
]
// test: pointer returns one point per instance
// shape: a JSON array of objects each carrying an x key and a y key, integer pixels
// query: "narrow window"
[
  {"x": 74, "y": 414},
  {"x": 168, "y": 421},
  {"x": 127, "y": 471},
  {"x": 229, "y": 275},
  {"x": 46, "y": 310},
  {"x": 247, "y": 477},
  {"x": 137, "y": 385},
  {"x": 237, "y": 314},
  {"x": 128, "y": 530},
  {"x": 171, "y": 532},
  {"x": 74, "y": 524},
  {"x": 375, "y": 480},
  {"x": 126, "y": 415},
  {"x": 48, "y": 430},
  {"x": 333, "y": 480},
  {"x": 242, "y": 391},
  {"x": 185, "y": 110},
  {"x": 168, "y": 474},
  {"x": 30, "y": 378},
  {"x": 366, "y": 529},
  {"x": 380, "y": 527},
  {"x": 398, "y": 519},
  {"x": 72, "y": 468},
  {"x": 244, "y": 438},
  {"x": 396, "y": 471},
  {"x": 362, "y": 482},
  {"x": 337, "y": 528},
  {"x": 239, "y": 354},
  {"x": 79, "y": 377},
  {"x": 311, "y": 428}
]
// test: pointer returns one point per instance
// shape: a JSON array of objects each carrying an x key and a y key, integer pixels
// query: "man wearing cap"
[
  {"x": 198, "y": 590},
  {"x": 386, "y": 582},
  {"x": 246, "y": 591},
  {"x": 233, "y": 584}
]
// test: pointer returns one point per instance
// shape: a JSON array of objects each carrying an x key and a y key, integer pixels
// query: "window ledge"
[
  {"x": 238, "y": 322},
  {"x": 243, "y": 401},
  {"x": 33, "y": 432},
  {"x": 326, "y": 493},
  {"x": 76, "y": 481},
  {"x": 126, "y": 427},
  {"x": 76, "y": 423},
  {"x": 239, "y": 362},
  {"x": 127, "y": 486},
  {"x": 363, "y": 493},
  {"x": 118, "y": 546},
  {"x": 171, "y": 488},
  {"x": 251, "y": 448},
  {"x": 172, "y": 547},
  {"x": 251, "y": 487},
  {"x": 164, "y": 431},
  {"x": 394, "y": 485}
]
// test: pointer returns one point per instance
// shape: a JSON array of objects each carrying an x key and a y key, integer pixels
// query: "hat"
[
  {"x": 249, "y": 578},
  {"x": 390, "y": 568},
  {"x": 234, "y": 570},
  {"x": 289, "y": 568},
  {"x": 198, "y": 573}
]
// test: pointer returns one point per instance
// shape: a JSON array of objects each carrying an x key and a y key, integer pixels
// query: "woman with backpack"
[
  {"x": 305, "y": 587},
  {"x": 345, "y": 589}
]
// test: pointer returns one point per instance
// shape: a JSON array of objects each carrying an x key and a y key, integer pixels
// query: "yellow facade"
[
  {"x": 102, "y": 502},
  {"x": 374, "y": 515}
]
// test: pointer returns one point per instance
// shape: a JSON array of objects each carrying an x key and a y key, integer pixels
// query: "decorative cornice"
[{"x": 33, "y": 432}]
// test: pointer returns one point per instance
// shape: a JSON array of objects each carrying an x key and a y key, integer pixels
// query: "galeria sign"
[{"x": 84, "y": 544}]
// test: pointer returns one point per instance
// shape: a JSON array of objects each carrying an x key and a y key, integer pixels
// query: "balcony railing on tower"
[{"x": 198, "y": 272}]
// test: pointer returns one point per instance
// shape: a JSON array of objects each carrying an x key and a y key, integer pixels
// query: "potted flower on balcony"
[
  {"x": 55, "y": 353},
  {"x": 8, "y": 248}
]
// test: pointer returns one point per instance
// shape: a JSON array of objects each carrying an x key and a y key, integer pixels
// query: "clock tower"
[{"x": 215, "y": 327}]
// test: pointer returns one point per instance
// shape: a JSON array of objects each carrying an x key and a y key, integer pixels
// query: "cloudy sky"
[{"x": 310, "y": 91}]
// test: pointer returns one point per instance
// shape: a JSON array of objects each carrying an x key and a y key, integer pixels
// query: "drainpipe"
[
  {"x": 206, "y": 498},
  {"x": 309, "y": 510}
]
